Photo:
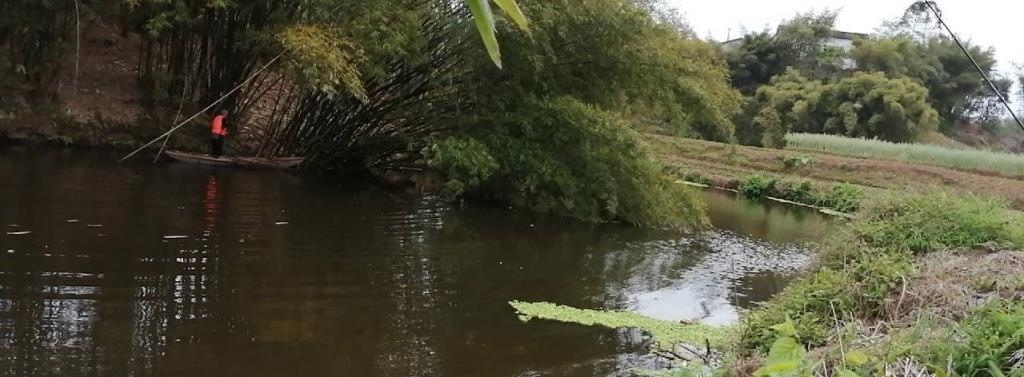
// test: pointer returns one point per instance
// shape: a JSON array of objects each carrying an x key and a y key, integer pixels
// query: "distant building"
[
  {"x": 842, "y": 40},
  {"x": 732, "y": 44}
]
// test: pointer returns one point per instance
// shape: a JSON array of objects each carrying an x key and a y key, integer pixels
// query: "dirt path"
[{"x": 724, "y": 160}]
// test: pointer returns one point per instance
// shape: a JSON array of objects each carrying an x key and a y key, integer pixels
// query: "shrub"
[
  {"x": 466, "y": 162},
  {"x": 862, "y": 105},
  {"x": 808, "y": 302},
  {"x": 757, "y": 187},
  {"x": 992, "y": 342},
  {"x": 842, "y": 197},
  {"x": 797, "y": 161},
  {"x": 802, "y": 192},
  {"x": 857, "y": 286},
  {"x": 986, "y": 343},
  {"x": 698, "y": 178},
  {"x": 560, "y": 156},
  {"x": 936, "y": 220}
]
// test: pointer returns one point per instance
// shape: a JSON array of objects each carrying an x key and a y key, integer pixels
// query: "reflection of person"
[
  {"x": 218, "y": 130},
  {"x": 210, "y": 203}
]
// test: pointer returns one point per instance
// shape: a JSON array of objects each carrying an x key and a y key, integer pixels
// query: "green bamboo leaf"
[
  {"x": 995, "y": 370},
  {"x": 512, "y": 10},
  {"x": 484, "y": 19}
]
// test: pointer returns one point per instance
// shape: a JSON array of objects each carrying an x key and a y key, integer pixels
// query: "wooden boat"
[{"x": 248, "y": 162}]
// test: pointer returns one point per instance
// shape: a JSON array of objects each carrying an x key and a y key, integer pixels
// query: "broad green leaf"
[
  {"x": 778, "y": 369},
  {"x": 857, "y": 358},
  {"x": 483, "y": 16},
  {"x": 511, "y": 9},
  {"x": 785, "y": 329},
  {"x": 786, "y": 350}
]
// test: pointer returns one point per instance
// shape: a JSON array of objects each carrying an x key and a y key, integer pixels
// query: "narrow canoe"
[{"x": 248, "y": 162}]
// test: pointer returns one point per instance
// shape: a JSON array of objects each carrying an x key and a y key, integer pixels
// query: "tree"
[
  {"x": 614, "y": 55},
  {"x": 956, "y": 90},
  {"x": 794, "y": 100},
  {"x": 798, "y": 43},
  {"x": 870, "y": 105},
  {"x": 801, "y": 44},
  {"x": 865, "y": 105},
  {"x": 918, "y": 23},
  {"x": 559, "y": 121},
  {"x": 562, "y": 157},
  {"x": 774, "y": 131},
  {"x": 33, "y": 35},
  {"x": 755, "y": 62},
  {"x": 1020, "y": 87}
]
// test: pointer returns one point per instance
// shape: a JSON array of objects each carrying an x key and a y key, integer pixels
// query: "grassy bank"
[
  {"x": 963, "y": 159},
  {"x": 922, "y": 284},
  {"x": 730, "y": 165},
  {"x": 841, "y": 197}
]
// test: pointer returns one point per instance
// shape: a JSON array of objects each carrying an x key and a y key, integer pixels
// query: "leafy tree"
[
  {"x": 794, "y": 101},
  {"x": 866, "y": 105},
  {"x": 33, "y": 35},
  {"x": 563, "y": 157},
  {"x": 558, "y": 121},
  {"x": 798, "y": 43},
  {"x": 755, "y": 62},
  {"x": 801, "y": 44},
  {"x": 774, "y": 132},
  {"x": 615, "y": 55},
  {"x": 918, "y": 23},
  {"x": 956, "y": 90},
  {"x": 1020, "y": 88},
  {"x": 870, "y": 105}
]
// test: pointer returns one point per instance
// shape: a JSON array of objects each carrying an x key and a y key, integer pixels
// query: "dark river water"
[{"x": 179, "y": 270}]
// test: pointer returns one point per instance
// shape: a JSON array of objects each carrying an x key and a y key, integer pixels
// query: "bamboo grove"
[{"x": 550, "y": 123}]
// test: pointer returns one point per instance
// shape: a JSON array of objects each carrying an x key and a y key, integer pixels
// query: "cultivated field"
[
  {"x": 962, "y": 159},
  {"x": 733, "y": 161}
]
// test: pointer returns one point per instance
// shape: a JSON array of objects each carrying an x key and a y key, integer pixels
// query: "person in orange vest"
[{"x": 218, "y": 130}]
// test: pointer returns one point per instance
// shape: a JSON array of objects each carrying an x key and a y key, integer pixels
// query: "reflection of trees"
[
  {"x": 763, "y": 219},
  {"x": 361, "y": 280},
  {"x": 710, "y": 269}
]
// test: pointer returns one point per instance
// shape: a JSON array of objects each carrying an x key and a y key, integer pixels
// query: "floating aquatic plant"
[{"x": 668, "y": 335}]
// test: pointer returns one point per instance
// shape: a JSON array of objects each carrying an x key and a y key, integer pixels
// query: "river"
[{"x": 137, "y": 269}]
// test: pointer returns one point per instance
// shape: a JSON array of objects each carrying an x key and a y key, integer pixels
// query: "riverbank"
[
  {"x": 728, "y": 166},
  {"x": 919, "y": 284}
]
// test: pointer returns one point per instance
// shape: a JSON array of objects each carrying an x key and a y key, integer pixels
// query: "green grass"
[
  {"x": 979, "y": 160},
  {"x": 861, "y": 268}
]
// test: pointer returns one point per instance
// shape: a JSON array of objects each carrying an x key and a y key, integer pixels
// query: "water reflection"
[{"x": 269, "y": 274}]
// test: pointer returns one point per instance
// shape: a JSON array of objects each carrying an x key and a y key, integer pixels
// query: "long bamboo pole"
[{"x": 215, "y": 103}]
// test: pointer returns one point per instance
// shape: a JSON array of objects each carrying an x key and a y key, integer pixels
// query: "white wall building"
[{"x": 842, "y": 40}]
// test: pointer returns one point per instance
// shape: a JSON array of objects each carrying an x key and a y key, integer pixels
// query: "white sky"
[{"x": 995, "y": 23}]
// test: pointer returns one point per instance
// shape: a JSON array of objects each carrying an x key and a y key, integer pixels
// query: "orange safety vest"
[{"x": 218, "y": 126}]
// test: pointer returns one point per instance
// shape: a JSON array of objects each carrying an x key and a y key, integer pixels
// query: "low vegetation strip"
[
  {"x": 842, "y": 198},
  {"x": 974, "y": 160}
]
